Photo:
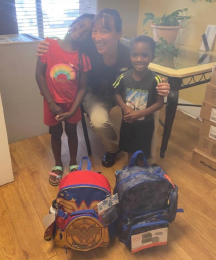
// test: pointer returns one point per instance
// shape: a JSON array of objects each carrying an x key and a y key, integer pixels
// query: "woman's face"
[
  {"x": 105, "y": 40},
  {"x": 80, "y": 31}
]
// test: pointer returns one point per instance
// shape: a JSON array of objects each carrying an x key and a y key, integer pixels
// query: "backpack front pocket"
[
  {"x": 145, "y": 234},
  {"x": 82, "y": 232}
]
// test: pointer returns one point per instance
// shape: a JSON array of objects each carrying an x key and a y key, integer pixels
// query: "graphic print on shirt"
[
  {"x": 63, "y": 72},
  {"x": 137, "y": 99}
]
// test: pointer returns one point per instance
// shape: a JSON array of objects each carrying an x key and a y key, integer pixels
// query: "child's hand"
[
  {"x": 127, "y": 110},
  {"x": 63, "y": 116},
  {"x": 132, "y": 117},
  {"x": 55, "y": 109}
]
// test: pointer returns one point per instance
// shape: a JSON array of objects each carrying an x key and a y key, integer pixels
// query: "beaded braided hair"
[{"x": 82, "y": 50}]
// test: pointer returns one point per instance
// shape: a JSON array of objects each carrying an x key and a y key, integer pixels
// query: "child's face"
[
  {"x": 141, "y": 56},
  {"x": 81, "y": 30}
]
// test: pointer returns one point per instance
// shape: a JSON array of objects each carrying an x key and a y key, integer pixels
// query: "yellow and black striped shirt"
[{"x": 138, "y": 94}]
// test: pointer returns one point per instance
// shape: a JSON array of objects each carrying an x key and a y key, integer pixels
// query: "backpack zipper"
[{"x": 84, "y": 186}]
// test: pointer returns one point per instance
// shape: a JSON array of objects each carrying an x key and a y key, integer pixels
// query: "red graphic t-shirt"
[{"x": 62, "y": 72}]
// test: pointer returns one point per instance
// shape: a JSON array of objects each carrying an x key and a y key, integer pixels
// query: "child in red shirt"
[{"x": 61, "y": 75}]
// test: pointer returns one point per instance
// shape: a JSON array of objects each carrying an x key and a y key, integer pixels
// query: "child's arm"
[
  {"x": 41, "y": 81},
  {"x": 119, "y": 90},
  {"x": 78, "y": 99},
  {"x": 119, "y": 100},
  {"x": 135, "y": 115}
]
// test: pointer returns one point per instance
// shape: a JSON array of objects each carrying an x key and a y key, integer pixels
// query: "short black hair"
[
  {"x": 146, "y": 39},
  {"x": 109, "y": 15}
]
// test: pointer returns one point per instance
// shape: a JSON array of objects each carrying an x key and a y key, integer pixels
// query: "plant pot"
[{"x": 169, "y": 33}]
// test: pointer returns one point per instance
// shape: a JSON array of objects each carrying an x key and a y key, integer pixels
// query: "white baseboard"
[{"x": 190, "y": 111}]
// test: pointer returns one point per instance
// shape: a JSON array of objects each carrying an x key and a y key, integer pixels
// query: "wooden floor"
[{"x": 25, "y": 202}]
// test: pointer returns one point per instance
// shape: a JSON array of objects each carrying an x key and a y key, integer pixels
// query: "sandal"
[
  {"x": 73, "y": 168},
  {"x": 55, "y": 181}
]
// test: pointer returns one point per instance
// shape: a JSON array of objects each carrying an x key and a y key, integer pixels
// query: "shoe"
[
  {"x": 53, "y": 208},
  {"x": 109, "y": 159}
]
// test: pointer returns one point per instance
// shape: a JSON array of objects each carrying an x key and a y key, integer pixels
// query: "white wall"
[
  {"x": 129, "y": 11},
  {"x": 6, "y": 174},
  {"x": 21, "y": 99}
]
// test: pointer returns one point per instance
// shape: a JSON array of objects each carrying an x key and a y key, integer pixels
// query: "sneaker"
[{"x": 109, "y": 159}]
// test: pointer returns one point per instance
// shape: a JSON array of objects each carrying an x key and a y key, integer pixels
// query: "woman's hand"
[
  {"x": 42, "y": 48},
  {"x": 163, "y": 88}
]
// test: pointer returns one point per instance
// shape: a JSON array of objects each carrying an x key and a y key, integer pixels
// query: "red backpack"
[{"x": 77, "y": 224}]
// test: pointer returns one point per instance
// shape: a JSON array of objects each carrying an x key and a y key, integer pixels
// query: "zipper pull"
[{"x": 66, "y": 249}]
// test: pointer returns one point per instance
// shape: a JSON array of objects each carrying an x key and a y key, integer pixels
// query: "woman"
[{"x": 109, "y": 59}]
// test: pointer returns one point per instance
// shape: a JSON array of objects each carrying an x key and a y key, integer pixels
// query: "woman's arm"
[
  {"x": 42, "y": 48},
  {"x": 163, "y": 88},
  {"x": 41, "y": 81}
]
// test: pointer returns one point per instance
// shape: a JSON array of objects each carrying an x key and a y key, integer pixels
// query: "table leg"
[{"x": 172, "y": 102}]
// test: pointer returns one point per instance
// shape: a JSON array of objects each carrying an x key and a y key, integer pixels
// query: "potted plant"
[
  {"x": 166, "y": 53},
  {"x": 167, "y": 26}
]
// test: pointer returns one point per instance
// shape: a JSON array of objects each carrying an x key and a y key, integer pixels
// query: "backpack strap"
[
  {"x": 89, "y": 165},
  {"x": 133, "y": 159}
]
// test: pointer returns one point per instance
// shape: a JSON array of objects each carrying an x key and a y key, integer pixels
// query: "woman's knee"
[{"x": 99, "y": 118}]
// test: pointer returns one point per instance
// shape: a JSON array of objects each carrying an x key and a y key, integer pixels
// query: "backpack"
[
  {"x": 77, "y": 224},
  {"x": 147, "y": 202}
]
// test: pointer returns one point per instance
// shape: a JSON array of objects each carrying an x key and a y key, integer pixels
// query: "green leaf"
[
  {"x": 145, "y": 20},
  {"x": 174, "y": 19},
  {"x": 150, "y": 15}
]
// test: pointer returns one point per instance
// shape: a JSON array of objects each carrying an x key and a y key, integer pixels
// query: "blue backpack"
[{"x": 148, "y": 201}]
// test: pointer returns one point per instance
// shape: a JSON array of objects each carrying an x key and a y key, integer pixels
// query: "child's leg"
[
  {"x": 143, "y": 140},
  {"x": 71, "y": 131},
  {"x": 56, "y": 133},
  {"x": 140, "y": 161}
]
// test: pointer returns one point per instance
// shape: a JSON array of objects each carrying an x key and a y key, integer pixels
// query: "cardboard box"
[
  {"x": 207, "y": 145},
  {"x": 208, "y": 111},
  {"x": 208, "y": 129},
  {"x": 210, "y": 95},
  {"x": 213, "y": 77},
  {"x": 204, "y": 162}
]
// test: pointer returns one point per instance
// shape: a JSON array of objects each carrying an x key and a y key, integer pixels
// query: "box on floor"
[
  {"x": 208, "y": 111},
  {"x": 204, "y": 162},
  {"x": 210, "y": 95},
  {"x": 208, "y": 129},
  {"x": 207, "y": 145}
]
